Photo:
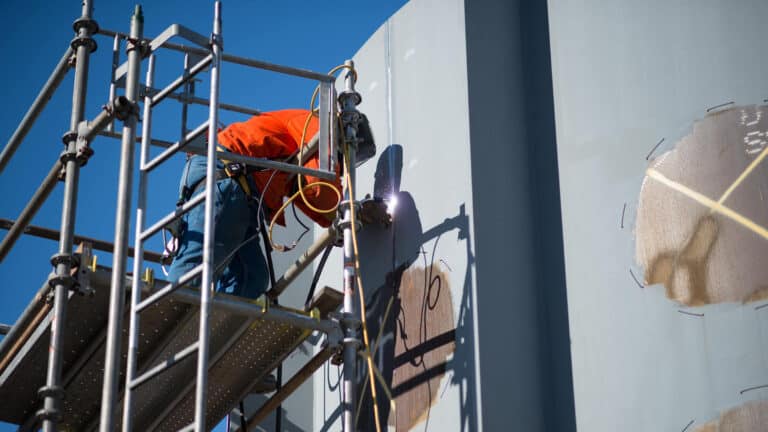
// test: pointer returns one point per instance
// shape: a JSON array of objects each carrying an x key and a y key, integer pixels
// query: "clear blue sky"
[{"x": 307, "y": 34}]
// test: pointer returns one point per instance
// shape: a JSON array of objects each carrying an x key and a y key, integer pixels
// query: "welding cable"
[
  {"x": 303, "y": 225},
  {"x": 285, "y": 248},
  {"x": 376, "y": 344},
  {"x": 316, "y": 278},
  {"x": 317, "y": 183},
  {"x": 300, "y": 193},
  {"x": 259, "y": 231},
  {"x": 260, "y": 210},
  {"x": 243, "y": 425},
  {"x": 301, "y": 188},
  {"x": 298, "y": 219},
  {"x": 260, "y": 214},
  {"x": 361, "y": 295},
  {"x": 383, "y": 383},
  {"x": 312, "y": 111}
]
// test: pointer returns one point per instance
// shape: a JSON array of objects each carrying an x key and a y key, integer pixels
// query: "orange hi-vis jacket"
[{"x": 276, "y": 135}]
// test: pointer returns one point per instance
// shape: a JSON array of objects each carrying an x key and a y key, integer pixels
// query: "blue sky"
[{"x": 311, "y": 35}]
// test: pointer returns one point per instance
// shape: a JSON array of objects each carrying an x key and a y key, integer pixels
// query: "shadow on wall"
[{"x": 414, "y": 337}]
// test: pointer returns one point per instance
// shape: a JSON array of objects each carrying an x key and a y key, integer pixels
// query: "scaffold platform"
[{"x": 248, "y": 340}]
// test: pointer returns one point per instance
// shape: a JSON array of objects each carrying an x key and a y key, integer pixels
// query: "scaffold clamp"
[
  {"x": 123, "y": 108},
  {"x": 86, "y": 40}
]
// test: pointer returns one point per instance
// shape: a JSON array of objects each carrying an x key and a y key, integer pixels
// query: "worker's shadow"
[{"x": 410, "y": 313}]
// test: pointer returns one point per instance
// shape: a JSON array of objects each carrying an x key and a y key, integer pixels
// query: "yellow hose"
[
  {"x": 373, "y": 373},
  {"x": 361, "y": 295},
  {"x": 312, "y": 111}
]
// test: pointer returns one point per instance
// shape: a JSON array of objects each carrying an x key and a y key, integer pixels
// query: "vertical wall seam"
[
  {"x": 388, "y": 63},
  {"x": 478, "y": 408}
]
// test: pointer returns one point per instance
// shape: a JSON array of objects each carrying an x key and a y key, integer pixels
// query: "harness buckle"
[{"x": 234, "y": 169}]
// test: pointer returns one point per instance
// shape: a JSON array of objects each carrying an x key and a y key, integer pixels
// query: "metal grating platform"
[
  {"x": 242, "y": 351},
  {"x": 26, "y": 371},
  {"x": 257, "y": 350},
  {"x": 83, "y": 369},
  {"x": 83, "y": 395}
]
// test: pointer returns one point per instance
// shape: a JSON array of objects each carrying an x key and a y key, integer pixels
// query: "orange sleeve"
[
  {"x": 265, "y": 136},
  {"x": 277, "y": 134},
  {"x": 320, "y": 197}
]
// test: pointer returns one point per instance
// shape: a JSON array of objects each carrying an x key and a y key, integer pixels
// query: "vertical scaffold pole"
[
  {"x": 208, "y": 237},
  {"x": 138, "y": 260},
  {"x": 112, "y": 82},
  {"x": 188, "y": 89},
  {"x": 349, "y": 99},
  {"x": 122, "y": 225},
  {"x": 83, "y": 44}
]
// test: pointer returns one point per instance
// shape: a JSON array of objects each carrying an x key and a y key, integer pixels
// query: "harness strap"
[{"x": 188, "y": 191}]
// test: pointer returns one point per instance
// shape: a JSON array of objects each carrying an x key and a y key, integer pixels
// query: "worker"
[{"x": 238, "y": 259}]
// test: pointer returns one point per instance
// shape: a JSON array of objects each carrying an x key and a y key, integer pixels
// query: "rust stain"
[
  {"x": 758, "y": 295},
  {"x": 684, "y": 272},
  {"x": 699, "y": 256},
  {"x": 424, "y": 341},
  {"x": 750, "y": 417}
]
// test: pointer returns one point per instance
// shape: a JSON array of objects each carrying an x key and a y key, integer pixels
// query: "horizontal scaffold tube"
[
  {"x": 288, "y": 388},
  {"x": 97, "y": 244},
  {"x": 241, "y": 307},
  {"x": 49, "y": 183},
  {"x": 327, "y": 238},
  {"x": 37, "y": 107},
  {"x": 27, "y": 321},
  {"x": 303, "y": 73},
  {"x": 34, "y": 204}
]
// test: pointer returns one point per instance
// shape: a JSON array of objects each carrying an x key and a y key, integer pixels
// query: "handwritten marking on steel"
[
  {"x": 654, "y": 149},
  {"x": 691, "y": 313},
  {"x": 688, "y": 425},
  {"x": 623, "y": 210},
  {"x": 754, "y": 388},
  {"x": 719, "y": 106}
]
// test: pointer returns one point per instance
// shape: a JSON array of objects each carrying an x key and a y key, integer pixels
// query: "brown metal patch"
[
  {"x": 424, "y": 339},
  {"x": 702, "y": 214},
  {"x": 750, "y": 417}
]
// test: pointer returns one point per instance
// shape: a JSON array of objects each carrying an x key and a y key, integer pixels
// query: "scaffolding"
[{"x": 196, "y": 333}]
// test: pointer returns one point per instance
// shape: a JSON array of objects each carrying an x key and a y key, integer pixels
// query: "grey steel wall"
[
  {"x": 460, "y": 99},
  {"x": 627, "y": 74},
  {"x": 524, "y": 345},
  {"x": 414, "y": 87}
]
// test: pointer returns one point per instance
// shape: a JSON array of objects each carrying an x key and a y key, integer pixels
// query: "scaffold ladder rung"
[
  {"x": 171, "y": 287},
  {"x": 205, "y": 270},
  {"x": 178, "y": 82},
  {"x": 175, "y": 147},
  {"x": 179, "y": 212},
  {"x": 175, "y": 359}
]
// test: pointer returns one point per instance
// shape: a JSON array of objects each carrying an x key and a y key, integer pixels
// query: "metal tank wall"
[
  {"x": 414, "y": 86},
  {"x": 613, "y": 146},
  {"x": 475, "y": 337},
  {"x": 665, "y": 294}
]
